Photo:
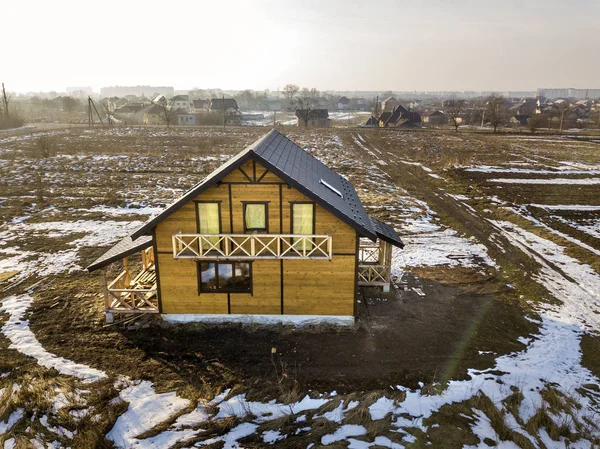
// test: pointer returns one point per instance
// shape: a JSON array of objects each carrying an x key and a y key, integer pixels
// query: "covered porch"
[
  {"x": 375, "y": 258},
  {"x": 133, "y": 292}
]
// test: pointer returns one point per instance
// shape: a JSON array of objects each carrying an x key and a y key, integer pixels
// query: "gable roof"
[
  {"x": 123, "y": 248},
  {"x": 299, "y": 169},
  {"x": 217, "y": 103},
  {"x": 387, "y": 233}
]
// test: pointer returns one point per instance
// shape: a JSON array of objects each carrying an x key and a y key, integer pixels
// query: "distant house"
[
  {"x": 343, "y": 103},
  {"x": 199, "y": 106},
  {"x": 186, "y": 119},
  {"x": 317, "y": 118},
  {"x": 181, "y": 103},
  {"x": 519, "y": 120},
  {"x": 152, "y": 115},
  {"x": 389, "y": 104},
  {"x": 401, "y": 118},
  {"x": 526, "y": 107},
  {"x": 435, "y": 118},
  {"x": 229, "y": 105},
  {"x": 372, "y": 122},
  {"x": 130, "y": 113}
]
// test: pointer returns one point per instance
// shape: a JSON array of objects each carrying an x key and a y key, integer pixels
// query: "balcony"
[{"x": 252, "y": 246}]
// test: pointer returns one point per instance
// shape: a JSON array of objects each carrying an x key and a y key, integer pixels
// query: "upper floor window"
[
  {"x": 209, "y": 221},
  {"x": 256, "y": 217}
]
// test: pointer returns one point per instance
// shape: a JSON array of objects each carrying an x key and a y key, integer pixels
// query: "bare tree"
[
  {"x": 387, "y": 94},
  {"x": 167, "y": 111},
  {"x": 305, "y": 104},
  {"x": 537, "y": 121},
  {"x": 496, "y": 111},
  {"x": 454, "y": 110},
  {"x": 562, "y": 109},
  {"x": 290, "y": 91}
]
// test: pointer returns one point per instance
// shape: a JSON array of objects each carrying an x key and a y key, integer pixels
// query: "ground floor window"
[{"x": 224, "y": 277}]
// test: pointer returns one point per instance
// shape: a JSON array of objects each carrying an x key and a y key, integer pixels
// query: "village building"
[
  {"x": 400, "y": 118},
  {"x": 200, "y": 106},
  {"x": 435, "y": 118},
  {"x": 271, "y": 235},
  {"x": 389, "y": 104},
  {"x": 343, "y": 103},
  {"x": 153, "y": 115},
  {"x": 314, "y": 118},
  {"x": 373, "y": 122},
  {"x": 181, "y": 103},
  {"x": 228, "y": 106},
  {"x": 186, "y": 119}
]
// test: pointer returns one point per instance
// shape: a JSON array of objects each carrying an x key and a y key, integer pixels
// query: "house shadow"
[{"x": 425, "y": 332}]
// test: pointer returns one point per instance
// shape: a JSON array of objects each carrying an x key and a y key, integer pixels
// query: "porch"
[
  {"x": 131, "y": 293},
  {"x": 374, "y": 264}
]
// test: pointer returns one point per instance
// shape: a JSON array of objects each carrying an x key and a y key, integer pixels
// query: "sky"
[{"x": 342, "y": 45}]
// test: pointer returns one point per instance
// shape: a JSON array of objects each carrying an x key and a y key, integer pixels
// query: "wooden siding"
[
  {"x": 319, "y": 287},
  {"x": 266, "y": 291},
  {"x": 310, "y": 287}
]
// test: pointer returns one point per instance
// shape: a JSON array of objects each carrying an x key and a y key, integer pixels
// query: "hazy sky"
[{"x": 330, "y": 45}]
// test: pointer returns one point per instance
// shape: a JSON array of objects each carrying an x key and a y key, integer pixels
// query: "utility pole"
[
  {"x": 274, "y": 116},
  {"x": 90, "y": 115},
  {"x": 377, "y": 111},
  {"x": 223, "y": 105},
  {"x": 5, "y": 102}
]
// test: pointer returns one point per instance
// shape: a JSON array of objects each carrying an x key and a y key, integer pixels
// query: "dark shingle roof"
[
  {"x": 297, "y": 167},
  {"x": 217, "y": 103},
  {"x": 124, "y": 248},
  {"x": 387, "y": 233}
]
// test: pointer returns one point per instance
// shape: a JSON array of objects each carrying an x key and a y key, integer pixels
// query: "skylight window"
[{"x": 330, "y": 187}]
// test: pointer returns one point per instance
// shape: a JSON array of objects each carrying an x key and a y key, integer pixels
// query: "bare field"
[{"x": 496, "y": 293}]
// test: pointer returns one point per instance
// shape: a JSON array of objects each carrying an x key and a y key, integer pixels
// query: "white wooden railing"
[
  {"x": 252, "y": 246},
  {"x": 373, "y": 275},
  {"x": 369, "y": 252},
  {"x": 119, "y": 296}
]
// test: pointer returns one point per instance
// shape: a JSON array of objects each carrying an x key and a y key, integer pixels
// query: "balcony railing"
[{"x": 252, "y": 246}]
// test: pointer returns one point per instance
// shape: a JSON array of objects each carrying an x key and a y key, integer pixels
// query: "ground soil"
[{"x": 400, "y": 338}]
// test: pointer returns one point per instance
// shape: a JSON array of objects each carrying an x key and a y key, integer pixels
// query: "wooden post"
[
  {"x": 127, "y": 279},
  {"x": 105, "y": 290}
]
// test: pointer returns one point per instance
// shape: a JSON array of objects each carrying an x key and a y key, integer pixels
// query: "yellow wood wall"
[{"x": 310, "y": 287}]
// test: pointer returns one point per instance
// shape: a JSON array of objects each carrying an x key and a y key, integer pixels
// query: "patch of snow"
[
  {"x": 17, "y": 330},
  {"x": 146, "y": 410},
  {"x": 566, "y": 181},
  {"x": 343, "y": 433}
]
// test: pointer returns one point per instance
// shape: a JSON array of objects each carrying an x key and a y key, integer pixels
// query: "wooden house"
[{"x": 271, "y": 235}]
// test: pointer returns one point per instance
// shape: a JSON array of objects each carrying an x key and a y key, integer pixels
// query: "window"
[
  {"x": 255, "y": 217},
  {"x": 303, "y": 222},
  {"x": 209, "y": 221},
  {"x": 224, "y": 277}
]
